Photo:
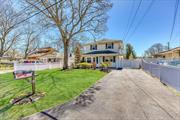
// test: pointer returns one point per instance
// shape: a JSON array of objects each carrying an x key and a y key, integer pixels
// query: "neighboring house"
[
  {"x": 169, "y": 54},
  {"x": 103, "y": 51},
  {"x": 46, "y": 55}
]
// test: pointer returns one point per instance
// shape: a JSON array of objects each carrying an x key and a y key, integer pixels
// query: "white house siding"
[
  {"x": 102, "y": 51},
  {"x": 116, "y": 48}
]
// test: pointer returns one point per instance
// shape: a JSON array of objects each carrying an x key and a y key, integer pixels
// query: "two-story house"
[{"x": 103, "y": 51}]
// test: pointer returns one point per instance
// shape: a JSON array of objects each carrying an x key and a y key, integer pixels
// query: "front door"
[{"x": 97, "y": 61}]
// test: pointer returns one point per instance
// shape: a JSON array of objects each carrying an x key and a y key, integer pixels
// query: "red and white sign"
[{"x": 22, "y": 74}]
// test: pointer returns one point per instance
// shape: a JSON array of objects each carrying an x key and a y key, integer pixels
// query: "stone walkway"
[{"x": 124, "y": 95}]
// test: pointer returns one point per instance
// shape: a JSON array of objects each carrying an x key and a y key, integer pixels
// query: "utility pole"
[{"x": 168, "y": 44}]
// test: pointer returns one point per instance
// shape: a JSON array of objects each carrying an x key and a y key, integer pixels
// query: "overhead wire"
[
  {"x": 40, "y": 11},
  {"x": 129, "y": 18},
  {"x": 174, "y": 18},
  {"x": 133, "y": 19},
  {"x": 25, "y": 9},
  {"x": 142, "y": 18}
]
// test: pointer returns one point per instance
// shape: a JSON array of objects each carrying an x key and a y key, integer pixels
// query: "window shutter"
[
  {"x": 112, "y": 45},
  {"x": 106, "y": 45},
  {"x": 90, "y": 47},
  {"x": 96, "y": 47},
  {"x": 103, "y": 58}
]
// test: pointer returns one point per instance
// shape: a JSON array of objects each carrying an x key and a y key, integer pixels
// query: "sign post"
[
  {"x": 33, "y": 83},
  {"x": 21, "y": 74}
]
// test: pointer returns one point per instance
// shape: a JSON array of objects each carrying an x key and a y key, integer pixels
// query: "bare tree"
[
  {"x": 8, "y": 27},
  {"x": 154, "y": 49},
  {"x": 30, "y": 41},
  {"x": 72, "y": 17}
]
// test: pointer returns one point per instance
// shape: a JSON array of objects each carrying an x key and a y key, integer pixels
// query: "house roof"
[
  {"x": 104, "y": 41},
  {"x": 169, "y": 51},
  {"x": 101, "y": 52},
  {"x": 42, "y": 52}
]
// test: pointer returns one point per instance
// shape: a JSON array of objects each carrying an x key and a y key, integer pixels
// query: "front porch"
[{"x": 114, "y": 59}]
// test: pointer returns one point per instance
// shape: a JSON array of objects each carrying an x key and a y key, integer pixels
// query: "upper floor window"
[
  {"x": 93, "y": 47},
  {"x": 109, "y": 45}
]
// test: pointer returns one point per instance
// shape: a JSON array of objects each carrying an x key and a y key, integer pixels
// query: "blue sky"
[{"x": 155, "y": 27}]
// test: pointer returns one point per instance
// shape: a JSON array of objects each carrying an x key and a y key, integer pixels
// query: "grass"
[{"x": 59, "y": 87}]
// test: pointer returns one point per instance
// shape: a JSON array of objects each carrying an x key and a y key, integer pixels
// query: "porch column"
[{"x": 99, "y": 61}]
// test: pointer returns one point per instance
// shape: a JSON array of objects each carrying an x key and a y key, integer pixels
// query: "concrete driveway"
[{"x": 125, "y": 95}]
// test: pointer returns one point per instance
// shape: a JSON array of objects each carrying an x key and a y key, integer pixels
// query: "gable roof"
[
  {"x": 168, "y": 51},
  {"x": 42, "y": 52}
]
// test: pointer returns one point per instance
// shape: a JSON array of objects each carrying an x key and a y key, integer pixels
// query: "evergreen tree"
[
  {"x": 77, "y": 54},
  {"x": 130, "y": 53}
]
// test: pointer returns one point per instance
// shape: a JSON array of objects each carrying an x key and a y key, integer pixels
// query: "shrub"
[
  {"x": 105, "y": 64},
  {"x": 85, "y": 65},
  {"x": 94, "y": 65}
]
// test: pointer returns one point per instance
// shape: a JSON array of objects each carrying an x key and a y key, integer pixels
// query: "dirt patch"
[
  {"x": 87, "y": 97},
  {"x": 27, "y": 99}
]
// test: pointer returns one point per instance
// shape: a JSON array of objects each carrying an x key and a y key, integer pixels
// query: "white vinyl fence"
[
  {"x": 134, "y": 64},
  {"x": 32, "y": 66},
  {"x": 169, "y": 75}
]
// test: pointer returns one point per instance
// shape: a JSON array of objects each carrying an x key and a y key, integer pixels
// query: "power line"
[
  {"x": 142, "y": 18},
  {"x": 131, "y": 12},
  {"x": 27, "y": 8},
  {"x": 174, "y": 18},
  {"x": 37, "y": 13},
  {"x": 133, "y": 18}
]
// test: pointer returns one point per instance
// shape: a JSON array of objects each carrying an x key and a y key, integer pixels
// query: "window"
[
  {"x": 114, "y": 59},
  {"x": 89, "y": 60},
  {"x": 83, "y": 59},
  {"x": 109, "y": 45},
  {"x": 93, "y": 47}
]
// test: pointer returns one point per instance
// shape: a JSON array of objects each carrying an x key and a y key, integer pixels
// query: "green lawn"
[{"x": 59, "y": 87}]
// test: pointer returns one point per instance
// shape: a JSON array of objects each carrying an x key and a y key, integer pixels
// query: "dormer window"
[
  {"x": 93, "y": 47},
  {"x": 109, "y": 45}
]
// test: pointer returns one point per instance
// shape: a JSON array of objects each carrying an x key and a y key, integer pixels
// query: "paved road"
[{"x": 125, "y": 95}]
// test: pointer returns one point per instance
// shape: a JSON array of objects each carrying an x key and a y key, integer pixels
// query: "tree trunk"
[
  {"x": 25, "y": 56},
  {"x": 65, "y": 63}
]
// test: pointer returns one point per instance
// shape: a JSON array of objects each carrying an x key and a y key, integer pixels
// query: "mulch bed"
[{"x": 27, "y": 99}]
